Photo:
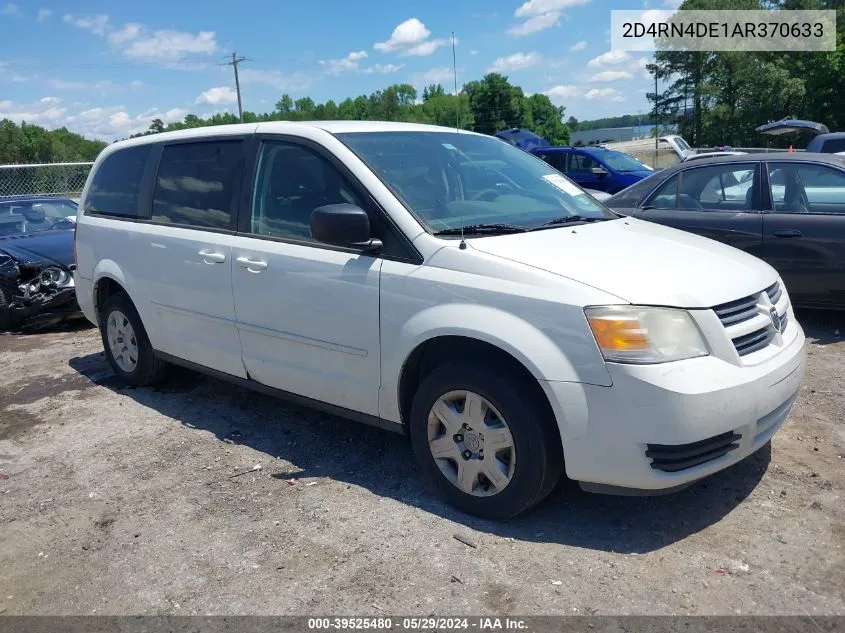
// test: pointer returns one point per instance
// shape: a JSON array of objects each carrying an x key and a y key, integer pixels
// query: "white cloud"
[
  {"x": 110, "y": 123},
  {"x": 603, "y": 94},
  {"x": 578, "y": 46},
  {"x": 11, "y": 9},
  {"x": 473, "y": 53},
  {"x": 540, "y": 15},
  {"x": 441, "y": 75},
  {"x": 51, "y": 100},
  {"x": 96, "y": 24},
  {"x": 538, "y": 7},
  {"x": 407, "y": 34},
  {"x": 64, "y": 84},
  {"x": 535, "y": 24},
  {"x": 607, "y": 76},
  {"x": 411, "y": 38},
  {"x": 296, "y": 82},
  {"x": 560, "y": 94},
  {"x": 137, "y": 83},
  {"x": 40, "y": 112},
  {"x": 610, "y": 58},
  {"x": 221, "y": 94},
  {"x": 517, "y": 61},
  {"x": 169, "y": 45},
  {"x": 384, "y": 69},
  {"x": 164, "y": 46},
  {"x": 127, "y": 33},
  {"x": 350, "y": 63},
  {"x": 43, "y": 15}
]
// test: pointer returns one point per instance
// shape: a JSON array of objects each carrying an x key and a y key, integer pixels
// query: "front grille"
[
  {"x": 735, "y": 313},
  {"x": 749, "y": 343},
  {"x": 774, "y": 292},
  {"x": 672, "y": 458}
]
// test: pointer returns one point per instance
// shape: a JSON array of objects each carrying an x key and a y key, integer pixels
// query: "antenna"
[{"x": 463, "y": 243}]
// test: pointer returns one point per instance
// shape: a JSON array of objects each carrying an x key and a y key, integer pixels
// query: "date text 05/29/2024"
[{"x": 418, "y": 624}]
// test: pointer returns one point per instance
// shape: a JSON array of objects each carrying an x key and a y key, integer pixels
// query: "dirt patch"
[{"x": 146, "y": 501}]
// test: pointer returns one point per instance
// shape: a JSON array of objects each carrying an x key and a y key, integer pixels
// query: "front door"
[
  {"x": 307, "y": 314},
  {"x": 716, "y": 201},
  {"x": 804, "y": 234},
  {"x": 580, "y": 169}
]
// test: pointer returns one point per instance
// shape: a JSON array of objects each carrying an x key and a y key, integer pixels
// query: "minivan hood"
[{"x": 638, "y": 261}]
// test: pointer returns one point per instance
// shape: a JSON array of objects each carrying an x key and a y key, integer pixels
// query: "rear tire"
[
  {"x": 126, "y": 344},
  {"x": 523, "y": 460}
]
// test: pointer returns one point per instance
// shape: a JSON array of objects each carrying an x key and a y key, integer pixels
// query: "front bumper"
[
  {"x": 663, "y": 409},
  {"x": 60, "y": 306}
]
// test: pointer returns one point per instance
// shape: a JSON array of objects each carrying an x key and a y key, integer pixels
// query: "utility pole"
[
  {"x": 656, "y": 130},
  {"x": 234, "y": 64}
]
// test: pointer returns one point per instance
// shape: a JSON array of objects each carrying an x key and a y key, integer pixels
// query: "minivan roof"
[{"x": 282, "y": 127}]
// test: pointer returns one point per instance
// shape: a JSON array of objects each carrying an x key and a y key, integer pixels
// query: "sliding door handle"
[
  {"x": 787, "y": 233},
  {"x": 252, "y": 265}
]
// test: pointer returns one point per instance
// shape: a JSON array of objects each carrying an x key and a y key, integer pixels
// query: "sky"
[{"x": 106, "y": 69}]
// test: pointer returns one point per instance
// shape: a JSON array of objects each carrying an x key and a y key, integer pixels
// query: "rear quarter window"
[{"x": 116, "y": 184}]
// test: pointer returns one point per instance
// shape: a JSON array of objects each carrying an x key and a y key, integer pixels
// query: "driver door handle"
[
  {"x": 787, "y": 233},
  {"x": 211, "y": 257}
]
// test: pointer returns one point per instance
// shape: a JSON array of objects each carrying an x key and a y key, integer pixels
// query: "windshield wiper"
[
  {"x": 569, "y": 219},
  {"x": 481, "y": 229}
]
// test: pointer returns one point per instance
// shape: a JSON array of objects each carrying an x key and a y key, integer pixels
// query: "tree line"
[
  {"x": 486, "y": 105},
  {"x": 718, "y": 98},
  {"x": 25, "y": 143}
]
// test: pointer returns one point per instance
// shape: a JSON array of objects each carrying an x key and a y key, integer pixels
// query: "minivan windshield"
[
  {"x": 618, "y": 161},
  {"x": 448, "y": 180}
]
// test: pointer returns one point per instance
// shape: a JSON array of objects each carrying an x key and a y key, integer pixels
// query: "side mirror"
[
  {"x": 598, "y": 171},
  {"x": 343, "y": 225}
]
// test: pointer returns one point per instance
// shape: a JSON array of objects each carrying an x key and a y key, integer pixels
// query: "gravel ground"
[{"x": 130, "y": 501}]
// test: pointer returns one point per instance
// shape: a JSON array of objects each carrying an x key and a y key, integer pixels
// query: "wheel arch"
[{"x": 436, "y": 350}]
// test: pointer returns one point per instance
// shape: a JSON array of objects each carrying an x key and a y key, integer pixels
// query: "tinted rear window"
[
  {"x": 115, "y": 185},
  {"x": 195, "y": 184}
]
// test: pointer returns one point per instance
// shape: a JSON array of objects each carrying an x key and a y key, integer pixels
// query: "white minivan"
[{"x": 441, "y": 284}]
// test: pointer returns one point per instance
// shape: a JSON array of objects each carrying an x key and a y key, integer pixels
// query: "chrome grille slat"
[{"x": 744, "y": 310}]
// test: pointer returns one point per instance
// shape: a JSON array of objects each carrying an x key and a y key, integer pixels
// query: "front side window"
[
  {"x": 116, "y": 184},
  {"x": 448, "y": 179},
  {"x": 292, "y": 181},
  {"x": 805, "y": 188},
  {"x": 581, "y": 164},
  {"x": 666, "y": 195},
  {"x": 556, "y": 160},
  {"x": 195, "y": 184}
]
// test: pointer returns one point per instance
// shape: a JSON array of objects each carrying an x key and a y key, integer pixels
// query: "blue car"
[{"x": 595, "y": 167}]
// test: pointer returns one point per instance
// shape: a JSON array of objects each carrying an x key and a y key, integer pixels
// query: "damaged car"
[{"x": 36, "y": 262}]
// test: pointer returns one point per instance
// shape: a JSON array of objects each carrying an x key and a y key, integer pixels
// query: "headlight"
[
  {"x": 56, "y": 277},
  {"x": 635, "y": 334}
]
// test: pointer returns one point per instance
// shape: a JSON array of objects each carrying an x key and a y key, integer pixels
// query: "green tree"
[{"x": 495, "y": 103}]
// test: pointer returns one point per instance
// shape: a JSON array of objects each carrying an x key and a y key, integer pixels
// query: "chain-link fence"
[{"x": 48, "y": 179}]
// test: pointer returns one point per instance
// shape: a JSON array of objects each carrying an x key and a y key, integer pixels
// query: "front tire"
[
  {"x": 126, "y": 344},
  {"x": 484, "y": 440}
]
